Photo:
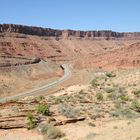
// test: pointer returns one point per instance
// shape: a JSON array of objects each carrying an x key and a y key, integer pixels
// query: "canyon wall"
[{"x": 30, "y": 30}]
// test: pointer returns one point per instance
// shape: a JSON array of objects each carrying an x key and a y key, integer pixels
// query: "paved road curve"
[{"x": 67, "y": 74}]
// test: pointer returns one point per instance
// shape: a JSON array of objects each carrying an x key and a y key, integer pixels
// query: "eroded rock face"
[
  {"x": 30, "y": 30},
  {"x": 83, "y": 48}
]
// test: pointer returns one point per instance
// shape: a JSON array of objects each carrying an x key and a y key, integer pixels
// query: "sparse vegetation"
[
  {"x": 118, "y": 93},
  {"x": 58, "y": 100},
  {"x": 112, "y": 96},
  {"x": 99, "y": 96},
  {"x": 136, "y": 93},
  {"x": 54, "y": 133},
  {"x": 40, "y": 98},
  {"x": 128, "y": 123},
  {"x": 109, "y": 90},
  {"x": 68, "y": 111},
  {"x": 94, "y": 82},
  {"x": 81, "y": 92},
  {"x": 124, "y": 113},
  {"x": 43, "y": 109},
  {"x": 90, "y": 136},
  {"x": 51, "y": 132},
  {"x": 135, "y": 105},
  {"x": 115, "y": 127},
  {"x": 105, "y": 100},
  {"x": 31, "y": 121},
  {"x": 124, "y": 97},
  {"x": 110, "y": 75},
  {"x": 91, "y": 124}
]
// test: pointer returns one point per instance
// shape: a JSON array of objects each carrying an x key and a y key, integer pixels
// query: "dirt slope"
[
  {"x": 21, "y": 45},
  {"x": 123, "y": 57}
]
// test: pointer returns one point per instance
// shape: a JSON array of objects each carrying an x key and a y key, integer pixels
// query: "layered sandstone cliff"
[{"x": 30, "y": 30}]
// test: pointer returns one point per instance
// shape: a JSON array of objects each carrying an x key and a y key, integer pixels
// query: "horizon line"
[{"x": 68, "y": 29}]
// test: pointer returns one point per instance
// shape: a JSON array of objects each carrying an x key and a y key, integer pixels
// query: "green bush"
[
  {"x": 44, "y": 128},
  {"x": 50, "y": 131},
  {"x": 124, "y": 98},
  {"x": 39, "y": 98},
  {"x": 110, "y": 75},
  {"x": 58, "y": 100},
  {"x": 31, "y": 121},
  {"x": 137, "y": 93},
  {"x": 119, "y": 93},
  {"x": 43, "y": 109},
  {"x": 109, "y": 90},
  {"x": 94, "y": 83},
  {"x": 135, "y": 105},
  {"x": 99, "y": 96}
]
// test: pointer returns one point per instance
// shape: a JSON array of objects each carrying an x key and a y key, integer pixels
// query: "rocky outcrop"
[
  {"x": 16, "y": 61},
  {"x": 30, "y": 30},
  {"x": 121, "y": 58},
  {"x": 14, "y": 114}
]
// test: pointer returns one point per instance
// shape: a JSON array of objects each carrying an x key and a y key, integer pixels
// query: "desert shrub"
[
  {"x": 43, "y": 128},
  {"x": 128, "y": 123},
  {"x": 117, "y": 104},
  {"x": 118, "y": 93},
  {"x": 109, "y": 90},
  {"x": 135, "y": 105},
  {"x": 115, "y": 127},
  {"x": 68, "y": 111},
  {"x": 110, "y": 75},
  {"x": 40, "y": 98},
  {"x": 123, "y": 112},
  {"x": 31, "y": 121},
  {"x": 90, "y": 136},
  {"x": 43, "y": 109},
  {"x": 96, "y": 115},
  {"x": 137, "y": 93},
  {"x": 120, "y": 104},
  {"x": 112, "y": 96},
  {"x": 97, "y": 112},
  {"x": 54, "y": 133},
  {"x": 68, "y": 98},
  {"x": 94, "y": 82},
  {"x": 58, "y": 100},
  {"x": 92, "y": 124},
  {"x": 124, "y": 97},
  {"x": 81, "y": 92},
  {"x": 99, "y": 96},
  {"x": 51, "y": 131},
  {"x": 121, "y": 90}
]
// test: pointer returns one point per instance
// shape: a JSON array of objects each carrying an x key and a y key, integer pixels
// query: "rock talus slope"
[{"x": 84, "y": 49}]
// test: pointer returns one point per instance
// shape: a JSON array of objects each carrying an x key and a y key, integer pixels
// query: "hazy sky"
[{"x": 117, "y": 15}]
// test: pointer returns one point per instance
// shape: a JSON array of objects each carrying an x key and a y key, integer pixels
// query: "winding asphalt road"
[{"x": 36, "y": 91}]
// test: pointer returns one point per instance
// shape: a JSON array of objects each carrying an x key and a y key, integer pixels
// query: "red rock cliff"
[{"x": 30, "y": 30}]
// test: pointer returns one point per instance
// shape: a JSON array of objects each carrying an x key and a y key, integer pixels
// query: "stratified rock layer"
[{"x": 30, "y": 30}]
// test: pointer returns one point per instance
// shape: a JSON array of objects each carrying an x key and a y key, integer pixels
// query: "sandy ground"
[
  {"x": 112, "y": 130},
  {"x": 78, "y": 77},
  {"x": 19, "y": 134}
]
